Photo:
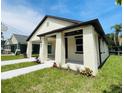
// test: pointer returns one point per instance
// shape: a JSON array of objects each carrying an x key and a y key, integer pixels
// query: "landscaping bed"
[
  {"x": 16, "y": 66},
  {"x": 53, "y": 80}
]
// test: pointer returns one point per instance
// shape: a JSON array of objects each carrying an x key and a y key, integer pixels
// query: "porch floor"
[
  {"x": 74, "y": 62},
  {"x": 73, "y": 65}
]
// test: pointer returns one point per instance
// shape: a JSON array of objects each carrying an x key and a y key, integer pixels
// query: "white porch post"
[
  {"x": 29, "y": 49},
  {"x": 90, "y": 49},
  {"x": 43, "y": 50},
  {"x": 40, "y": 51},
  {"x": 60, "y": 49}
]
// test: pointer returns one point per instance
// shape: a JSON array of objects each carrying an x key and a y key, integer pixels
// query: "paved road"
[{"x": 22, "y": 71}]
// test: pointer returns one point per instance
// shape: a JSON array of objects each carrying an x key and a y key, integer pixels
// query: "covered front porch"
[
  {"x": 65, "y": 47},
  {"x": 33, "y": 48},
  {"x": 69, "y": 48}
]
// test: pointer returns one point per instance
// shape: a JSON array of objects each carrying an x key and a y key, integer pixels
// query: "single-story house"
[
  {"x": 70, "y": 41},
  {"x": 17, "y": 43}
]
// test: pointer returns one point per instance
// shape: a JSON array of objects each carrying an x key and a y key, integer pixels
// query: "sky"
[{"x": 22, "y": 16}]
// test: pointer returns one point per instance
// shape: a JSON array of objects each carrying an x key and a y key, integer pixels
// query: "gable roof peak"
[
  {"x": 20, "y": 38},
  {"x": 56, "y": 17},
  {"x": 64, "y": 19}
]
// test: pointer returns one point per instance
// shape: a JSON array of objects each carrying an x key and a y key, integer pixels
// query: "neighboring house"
[
  {"x": 7, "y": 47},
  {"x": 17, "y": 43},
  {"x": 70, "y": 41}
]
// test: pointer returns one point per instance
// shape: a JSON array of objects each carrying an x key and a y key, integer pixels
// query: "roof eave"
[{"x": 94, "y": 22}]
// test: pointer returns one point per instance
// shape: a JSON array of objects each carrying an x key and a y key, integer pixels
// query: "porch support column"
[
  {"x": 43, "y": 50},
  {"x": 29, "y": 49},
  {"x": 90, "y": 49},
  {"x": 60, "y": 49},
  {"x": 40, "y": 51}
]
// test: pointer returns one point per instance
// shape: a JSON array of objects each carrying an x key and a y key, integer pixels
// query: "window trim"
[{"x": 79, "y": 37}]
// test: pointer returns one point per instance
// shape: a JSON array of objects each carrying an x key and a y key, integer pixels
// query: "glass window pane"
[
  {"x": 79, "y": 41},
  {"x": 79, "y": 48}
]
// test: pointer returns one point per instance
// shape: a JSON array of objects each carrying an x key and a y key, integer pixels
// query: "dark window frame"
[
  {"x": 49, "y": 53},
  {"x": 79, "y": 44}
]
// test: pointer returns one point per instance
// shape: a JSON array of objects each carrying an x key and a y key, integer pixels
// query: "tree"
[
  {"x": 118, "y": 29},
  {"x": 118, "y": 2},
  {"x": 3, "y": 29},
  {"x": 110, "y": 40}
]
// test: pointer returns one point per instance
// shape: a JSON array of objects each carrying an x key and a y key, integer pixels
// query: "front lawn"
[
  {"x": 13, "y": 57},
  {"x": 52, "y": 80},
  {"x": 16, "y": 66}
]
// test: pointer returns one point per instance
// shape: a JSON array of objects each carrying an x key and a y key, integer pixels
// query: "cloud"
[
  {"x": 60, "y": 7},
  {"x": 92, "y": 9},
  {"x": 21, "y": 17},
  {"x": 95, "y": 14}
]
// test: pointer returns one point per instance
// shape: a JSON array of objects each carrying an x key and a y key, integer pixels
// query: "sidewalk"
[
  {"x": 22, "y": 71},
  {"x": 17, "y": 61}
]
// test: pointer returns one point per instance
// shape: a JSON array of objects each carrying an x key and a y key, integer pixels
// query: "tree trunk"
[{"x": 115, "y": 38}]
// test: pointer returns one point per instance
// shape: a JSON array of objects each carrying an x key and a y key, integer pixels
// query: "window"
[
  {"x": 49, "y": 49},
  {"x": 79, "y": 44}
]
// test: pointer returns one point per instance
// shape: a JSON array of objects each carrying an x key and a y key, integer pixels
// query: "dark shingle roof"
[
  {"x": 65, "y": 19},
  {"x": 94, "y": 22},
  {"x": 21, "y": 38},
  {"x": 60, "y": 18}
]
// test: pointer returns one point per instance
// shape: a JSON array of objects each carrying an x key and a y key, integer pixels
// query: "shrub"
[
  {"x": 55, "y": 65},
  {"x": 17, "y": 53},
  {"x": 68, "y": 68},
  {"x": 77, "y": 69},
  {"x": 37, "y": 59},
  {"x": 86, "y": 72}
]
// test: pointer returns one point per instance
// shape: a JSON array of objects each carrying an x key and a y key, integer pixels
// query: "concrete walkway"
[
  {"x": 22, "y": 71},
  {"x": 17, "y": 61}
]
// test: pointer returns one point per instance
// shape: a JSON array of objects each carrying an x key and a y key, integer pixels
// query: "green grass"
[
  {"x": 35, "y": 55},
  {"x": 16, "y": 66},
  {"x": 12, "y": 57},
  {"x": 52, "y": 80}
]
